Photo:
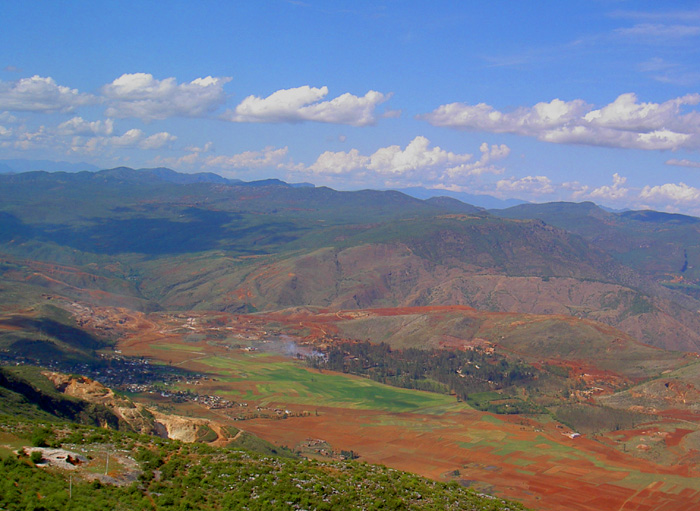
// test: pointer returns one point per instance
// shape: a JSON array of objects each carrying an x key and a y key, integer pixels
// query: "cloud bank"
[{"x": 624, "y": 123}]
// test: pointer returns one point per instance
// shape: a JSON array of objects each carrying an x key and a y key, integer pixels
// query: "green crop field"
[{"x": 287, "y": 382}]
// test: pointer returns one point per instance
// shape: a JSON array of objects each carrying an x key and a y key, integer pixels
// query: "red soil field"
[
  {"x": 512, "y": 456},
  {"x": 541, "y": 480}
]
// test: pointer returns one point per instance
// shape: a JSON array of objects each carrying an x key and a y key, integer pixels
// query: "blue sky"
[{"x": 550, "y": 100}]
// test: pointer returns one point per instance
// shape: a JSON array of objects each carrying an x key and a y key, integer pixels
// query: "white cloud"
[
  {"x": 304, "y": 104},
  {"x": 576, "y": 189},
  {"x": 671, "y": 192},
  {"x": 339, "y": 163},
  {"x": 268, "y": 157},
  {"x": 39, "y": 94},
  {"x": 79, "y": 126},
  {"x": 530, "y": 185},
  {"x": 615, "y": 192},
  {"x": 26, "y": 140},
  {"x": 133, "y": 138},
  {"x": 142, "y": 96},
  {"x": 483, "y": 166},
  {"x": 157, "y": 140},
  {"x": 188, "y": 160},
  {"x": 683, "y": 163},
  {"x": 523, "y": 121},
  {"x": 130, "y": 138},
  {"x": 625, "y": 113},
  {"x": 204, "y": 149},
  {"x": 417, "y": 160},
  {"x": 416, "y": 156},
  {"x": 623, "y": 123}
]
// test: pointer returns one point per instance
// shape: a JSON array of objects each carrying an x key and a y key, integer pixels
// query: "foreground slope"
[{"x": 198, "y": 476}]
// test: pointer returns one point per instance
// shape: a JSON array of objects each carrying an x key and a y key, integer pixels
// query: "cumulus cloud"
[
  {"x": 483, "y": 166},
  {"x": 679, "y": 193},
  {"x": 79, "y": 126},
  {"x": 78, "y": 135},
  {"x": 576, "y": 189},
  {"x": 615, "y": 192},
  {"x": 157, "y": 140},
  {"x": 339, "y": 162},
  {"x": 305, "y": 104},
  {"x": 129, "y": 138},
  {"x": 39, "y": 94},
  {"x": 524, "y": 121},
  {"x": 623, "y": 123},
  {"x": 530, "y": 185},
  {"x": 417, "y": 159},
  {"x": 133, "y": 138},
  {"x": 142, "y": 96},
  {"x": 416, "y": 156},
  {"x": 268, "y": 157},
  {"x": 24, "y": 139}
]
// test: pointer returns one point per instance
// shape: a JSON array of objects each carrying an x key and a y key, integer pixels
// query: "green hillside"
[{"x": 200, "y": 477}]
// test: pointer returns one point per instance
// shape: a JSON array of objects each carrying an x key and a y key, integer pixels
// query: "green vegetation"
[
  {"x": 498, "y": 403},
  {"x": 586, "y": 418},
  {"x": 197, "y": 476},
  {"x": 36, "y": 397},
  {"x": 471, "y": 375},
  {"x": 287, "y": 382}
]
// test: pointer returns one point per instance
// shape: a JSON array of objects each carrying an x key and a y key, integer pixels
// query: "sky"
[{"x": 542, "y": 101}]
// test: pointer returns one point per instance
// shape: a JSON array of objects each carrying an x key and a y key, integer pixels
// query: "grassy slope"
[
  {"x": 282, "y": 381},
  {"x": 204, "y": 478}
]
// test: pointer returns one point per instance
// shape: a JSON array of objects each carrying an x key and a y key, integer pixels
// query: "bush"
[{"x": 40, "y": 437}]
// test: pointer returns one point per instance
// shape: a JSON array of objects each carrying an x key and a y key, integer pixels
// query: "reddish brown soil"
[
  {"x": 540, "y": 480},
  {"x": 675, "y": 438},
  {"x": 551, "y": 472}
]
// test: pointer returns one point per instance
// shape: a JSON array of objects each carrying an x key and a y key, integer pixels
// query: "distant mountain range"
[
  {"x": 482, "y": 201},
  {"x": 299, "y": 245},
  {"x": 22, "y": 165},
  {"x": 25, "y": 165}
]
